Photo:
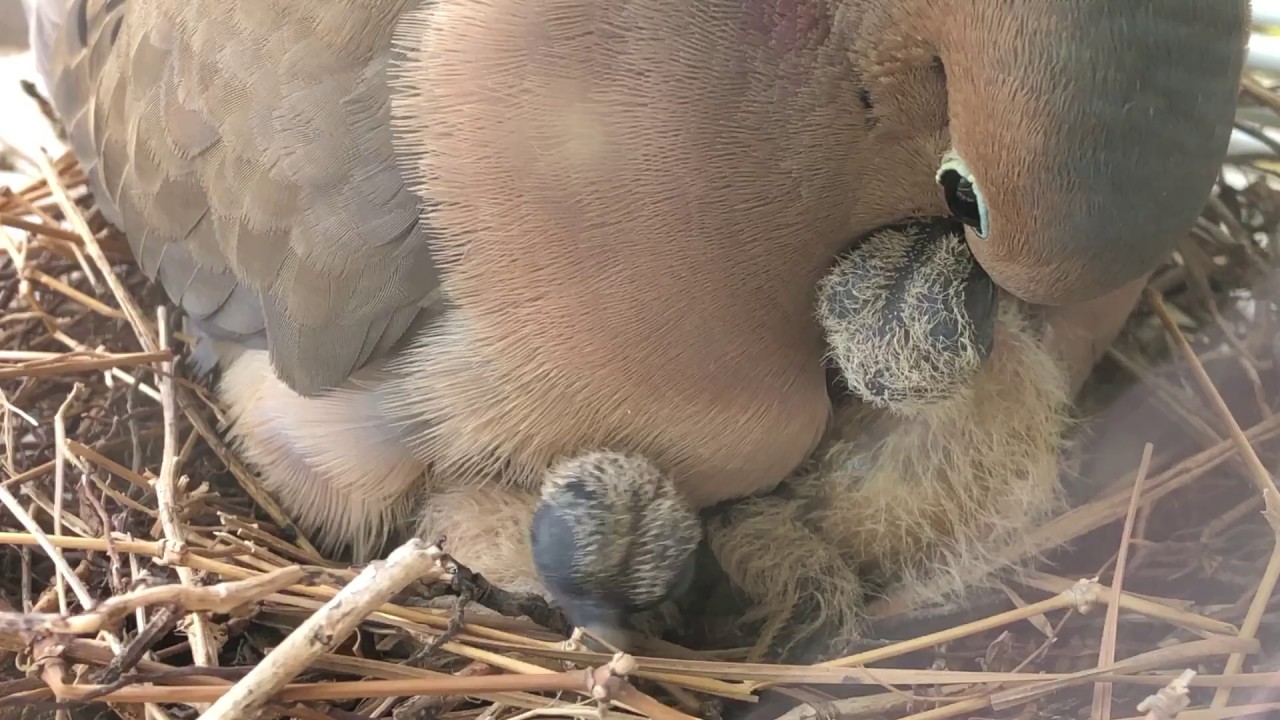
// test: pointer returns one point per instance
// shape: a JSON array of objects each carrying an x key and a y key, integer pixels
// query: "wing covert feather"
[{"x": 245, "y": 148}]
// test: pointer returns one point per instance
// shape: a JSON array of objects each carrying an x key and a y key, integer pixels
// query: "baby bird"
[
  {"x": 612, "y": 536},
  {"x": 909, "y": 314},
  {"x": 439, "y": 247},
  {"x": 920, "y": 497}
]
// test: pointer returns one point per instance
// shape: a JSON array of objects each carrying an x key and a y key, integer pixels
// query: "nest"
[{"x": 144, "y": 572}]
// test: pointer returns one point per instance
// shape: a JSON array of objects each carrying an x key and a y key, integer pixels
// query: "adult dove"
[{"x": 438, "y": 242}]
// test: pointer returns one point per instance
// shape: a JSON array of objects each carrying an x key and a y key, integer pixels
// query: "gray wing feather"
[{"x": 245, "y": 148}]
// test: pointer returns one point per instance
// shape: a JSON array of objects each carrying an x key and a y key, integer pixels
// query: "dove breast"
[{"x": 254, "y": 156}]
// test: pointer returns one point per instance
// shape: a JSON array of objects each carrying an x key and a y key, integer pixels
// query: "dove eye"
[{"x": 963, "y": 197}]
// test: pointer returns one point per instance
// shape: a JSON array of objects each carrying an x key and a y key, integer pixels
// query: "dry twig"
[
  {"x": 319, "y": 633},
  {"x": 1107, "y": 654}
]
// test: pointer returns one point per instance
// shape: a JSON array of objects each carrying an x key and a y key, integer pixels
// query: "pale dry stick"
[
  {"x": 868, "y": 706},
  {"x": 380, "y": 670},
  {"x": 71, "y": 239},
  {"x": 7, "y": 435},
  {"x": 1173, "y": 656},
  {"x": 135, "y": 572},
  {"x": 420, "y": 621},
  {"x": 20, "y": 316},
  {"x": 890, "y": 703},
  {"x": 1260, "y": 92},
  {"x": 569, "y": 681},
  {"x": 261, "y": 557},
  {"x": 51, "y": 671},
  {"x": 321, "y": 632},
  {"x": 952, "y": 710},
  {"x": 73, "y": 578},
  {"x": 70, "y": 365},
  {"x": 116, "y": 372},
  {"x": 48, "y": 599},
  {"x": 53, "y": 231},
  {"x": 42, "y": 198},
  {"x": 1108, "y": 509},
  {"x": 143, "y": 481},
  {"x": 1258, "y": 472},
  {"x": 1006, "y": 699},
  {"x": 682, "y": 697},
  {"x": 221, "y": 598},
  {"x": 11, "y": 408},
  {"x": 89, "y": 302},
  {"x": 1257, "y": 607},
  {"x": 184, "y": 456},
  {"x": 259, "y": 536},
  {"x": 81, "y": 651},
  {"x": 584, "y": 712},
  {"x": 1110, "y": 627},
  {"x": 395, "y": 617},
  {"x": 92, "y": 652},
  {"x": 120, "y": 497},
  {"x": 807, "y": 675},
  {"x": 17, "y": 254},
  {"x": 60, "y": 476},
  {"x": 22, "y": 356},
  {"x": 73, "y": 215},
  {"x": 736, "y": 676},
  {"x": 85, "y": 650},
  {"x": 1231, "y": 518},
  {"x": 46, "y": 655},
  {"x": 193, "y": 498},
  {"x": 45, "y": 217},
  {"x": 60, "y": 563},
  {"x": 1039, "y": 622},
  {"x": 41, "y": 539},
  {"x": 1170, "y": 699},
  {"x": 44, "y": 502},
  {"x": 1134, "y": 603},
  {"x": 814, "y": 675},
  {"x": 163, "y": 550},
  {"x": 84, "y": 468},
  {"x": 386, "y": 613},
  {"x": 96, "y": 544},
  {"x": 1082, "y": 595},
  {"x": 204, "y": 644},
  {"x": 1175, "y": 400},
  {"x": 1261, "y": 478}
]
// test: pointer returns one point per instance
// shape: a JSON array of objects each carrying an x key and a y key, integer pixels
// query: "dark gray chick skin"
[
  {"x": 612, "y": 536},
  {"x": 909, "y": 315}
]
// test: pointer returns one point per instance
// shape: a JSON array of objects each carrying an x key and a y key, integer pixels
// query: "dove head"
[
  {"x": 1077, "y": 140},
  {"x": 1086, "y": 134}
]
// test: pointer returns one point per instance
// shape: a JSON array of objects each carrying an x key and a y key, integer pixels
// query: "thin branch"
[
  {"x": 204, "y": 643},
  {"x": 1261, "y": 478},
  {"x": 221, "y": 598},
  {"x": 73, "y": 215},
  {"x": 328, "y": 626},
  {"x": 59, "y": 476},
  {"x": 64, "y": 570},
  {"x": 1107, "y": 652}
]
